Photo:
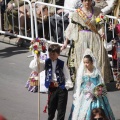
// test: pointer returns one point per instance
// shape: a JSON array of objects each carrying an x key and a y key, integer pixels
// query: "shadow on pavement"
[
  {"x": 111, "y": 87},
  {"x": 10, "y": 51}
]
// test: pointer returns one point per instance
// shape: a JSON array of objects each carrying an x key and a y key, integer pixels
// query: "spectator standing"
[
  {"x": 2, "y": 117},
  {"x": 3, "y": 7},
  {"x": 115, "y": 51},
  {"x": 47, "y": 13},
  {"x": 98, "y": 114},
  {"x": 100, "y": 3},
  {"x": 117, "y": 10},
  {"x": 62, "y": 17}
]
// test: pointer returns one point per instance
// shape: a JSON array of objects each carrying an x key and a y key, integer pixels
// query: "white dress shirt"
[
  {"x": 68, "y": 82},
  {"x": 54, "y": 78},
  {"x": 108, "y": 8}
]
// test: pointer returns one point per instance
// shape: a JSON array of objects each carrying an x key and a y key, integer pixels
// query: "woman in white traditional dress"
[
  {"x": 90, "y": 91},
  {"x": 86, "y": 33}
]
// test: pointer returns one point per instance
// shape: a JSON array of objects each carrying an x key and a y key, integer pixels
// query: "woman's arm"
[{"x": 65, "y": 44}]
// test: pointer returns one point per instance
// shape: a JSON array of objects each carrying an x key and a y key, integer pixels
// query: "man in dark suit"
[
  {"x": 52, "y": 21},
  {"x": 3, "y": 7}
]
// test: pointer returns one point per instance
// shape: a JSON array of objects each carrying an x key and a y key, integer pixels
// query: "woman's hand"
[
  {"x": 111, "y": 26},
  {"x": 10, "y": 6},
  {"x": 103, "y": 35},
  {"x": 64, "y": 45},
  {"x": 113, "y": 42},
  {"x": 60, "y": 11},
  {"x": 32, "y": 41}
]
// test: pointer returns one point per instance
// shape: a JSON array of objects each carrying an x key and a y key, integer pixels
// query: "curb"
[{"x": 7, "y": 39}]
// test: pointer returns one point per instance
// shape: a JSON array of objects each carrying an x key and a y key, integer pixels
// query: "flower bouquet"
[
  {"x": 100, "y": 90},
  {"x": 38, "y": 46},
  {"x": 101, "y": 19}
]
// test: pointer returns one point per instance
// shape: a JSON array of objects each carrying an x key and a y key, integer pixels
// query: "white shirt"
[
  {"x": 68, "y": 82},
  {"x": 69, "y": 4},
  {"x": 53, "y": 70},
  {"x": 108, "y": 8}
]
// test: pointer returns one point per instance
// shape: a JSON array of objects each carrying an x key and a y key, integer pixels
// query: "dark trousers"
[
  {"x": 57, "y": 101},
  {"x": 46, "y": 30},
  {"x": 59, "y": 31}
]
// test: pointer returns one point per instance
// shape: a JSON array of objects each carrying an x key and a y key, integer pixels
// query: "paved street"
[{"x": 16, "y": 103}]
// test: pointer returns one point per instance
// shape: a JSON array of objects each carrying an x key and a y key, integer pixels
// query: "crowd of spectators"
[{"x": 54, "y": 21}]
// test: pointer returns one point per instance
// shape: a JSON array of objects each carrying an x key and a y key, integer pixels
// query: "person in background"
[
  {"x": 110, "y": 6},
  {"x": 116, "y": 11},
  {"x": 98, "y": 114},
  {"x": 116, "y": 51},
  {"x": 100, "y": 3},
  {"x": 108, "y": 10},
  {"x": 2, "y": 117},
  {"x": 118, "y": 82},
  {"x": 43, "y": 10},
  {"x": 56, "y": 21},
  {"x": 3, "y": 7},
  {"x": 11, "y": 14}
]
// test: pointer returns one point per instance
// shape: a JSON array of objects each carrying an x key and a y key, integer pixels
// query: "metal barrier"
[
  {"x": 34, "y": 22},
  {"x": 20, "y": 32},
  {"x": 51, "y": 16},
  {"x": 56, "y": 18}
]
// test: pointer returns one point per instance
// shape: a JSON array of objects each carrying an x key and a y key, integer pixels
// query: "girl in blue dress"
[{"x": 85, "y": 99}]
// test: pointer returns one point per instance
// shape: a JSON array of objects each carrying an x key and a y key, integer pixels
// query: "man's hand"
[
  {"x": 60, "y": 11},
  {"x": 10, "y": 6},
  {"x": 111, "y": 26}
]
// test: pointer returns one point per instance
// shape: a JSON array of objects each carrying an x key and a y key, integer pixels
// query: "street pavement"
[{"x": 16, "y": 103}]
